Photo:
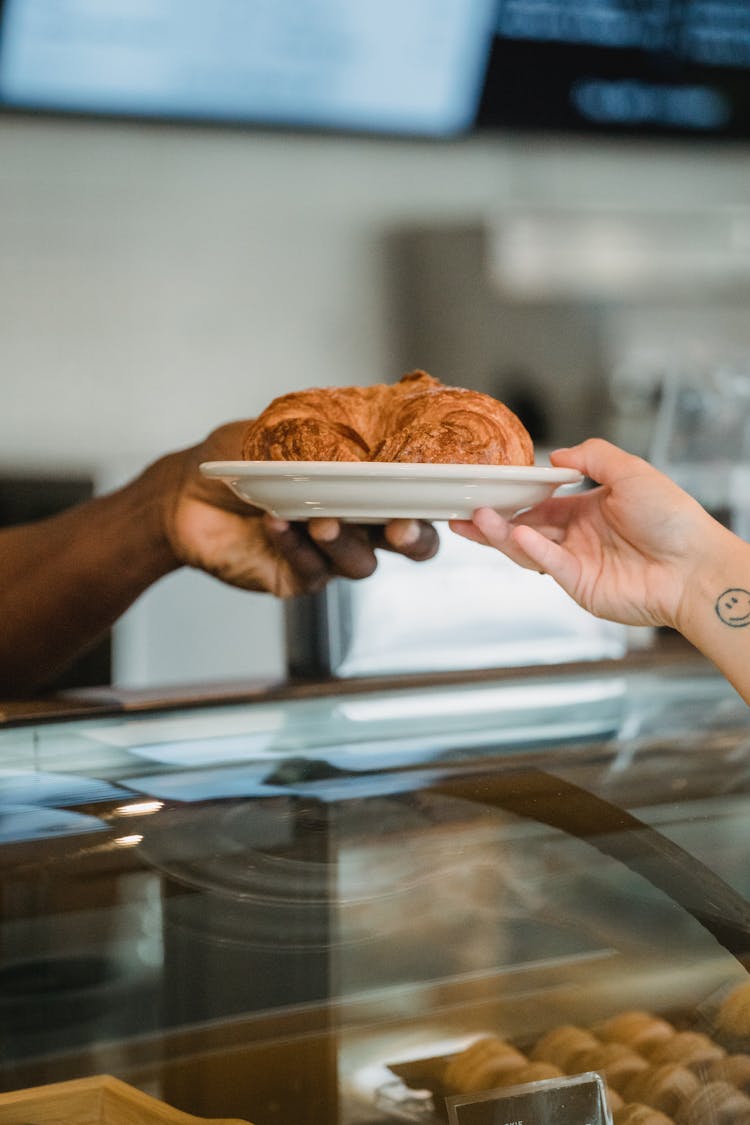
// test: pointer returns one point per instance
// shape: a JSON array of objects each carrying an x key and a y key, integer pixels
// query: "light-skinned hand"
[{"x": 627, "y": 550}]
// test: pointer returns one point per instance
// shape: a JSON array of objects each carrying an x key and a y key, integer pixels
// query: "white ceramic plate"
[{"x": 375, "y": 491}]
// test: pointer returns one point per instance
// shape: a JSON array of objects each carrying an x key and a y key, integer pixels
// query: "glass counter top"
[{"x": 250, "y": 908}]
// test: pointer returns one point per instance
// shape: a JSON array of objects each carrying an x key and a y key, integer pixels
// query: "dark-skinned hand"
[{"x": 209, "y": 528}]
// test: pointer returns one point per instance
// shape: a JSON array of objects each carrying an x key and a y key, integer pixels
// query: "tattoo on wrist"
[{"x": 733, "y": 607}]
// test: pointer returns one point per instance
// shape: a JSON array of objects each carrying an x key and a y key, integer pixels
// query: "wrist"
[
  {"x": 150, "y": 498},
  {"x": 704, "y": 617}
]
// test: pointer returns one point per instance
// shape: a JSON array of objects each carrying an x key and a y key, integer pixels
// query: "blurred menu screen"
[
  {"x": 394, "y": 66},
  {"x": 417, "y": 67}
]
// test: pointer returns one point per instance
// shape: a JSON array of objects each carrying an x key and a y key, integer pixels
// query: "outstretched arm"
[
  {"x": 636, "y": 549},
  {"x": 65, "y": 580}
]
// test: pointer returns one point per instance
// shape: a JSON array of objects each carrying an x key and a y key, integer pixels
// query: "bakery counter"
[
  {"x": 345, "y": 903},
  {"x": 666, "y": 648}
]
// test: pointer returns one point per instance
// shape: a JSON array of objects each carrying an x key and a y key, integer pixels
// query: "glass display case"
[{"x": 309, "y": 906}]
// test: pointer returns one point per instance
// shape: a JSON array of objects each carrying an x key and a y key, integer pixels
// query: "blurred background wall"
[{"x": 157, "y": 281}]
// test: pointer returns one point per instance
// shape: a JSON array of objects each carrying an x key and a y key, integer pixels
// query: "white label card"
[{"x": 557, "y": 1101}]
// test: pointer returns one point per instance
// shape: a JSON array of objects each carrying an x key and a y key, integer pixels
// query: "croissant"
[{"x": 416, "y": 419}]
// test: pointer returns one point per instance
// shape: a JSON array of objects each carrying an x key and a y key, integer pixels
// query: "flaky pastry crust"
[{"x": 416, "y": 419}]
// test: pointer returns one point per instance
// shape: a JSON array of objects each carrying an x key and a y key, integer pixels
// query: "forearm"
[
  {"x": 65, "y": 580},
  {"x": 716, "y": 609}
]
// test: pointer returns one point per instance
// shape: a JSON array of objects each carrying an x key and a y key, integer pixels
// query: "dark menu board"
[{"x": 645, "y": 66}]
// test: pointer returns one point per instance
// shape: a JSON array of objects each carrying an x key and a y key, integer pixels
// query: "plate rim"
[{"x": 389, "y": 469}]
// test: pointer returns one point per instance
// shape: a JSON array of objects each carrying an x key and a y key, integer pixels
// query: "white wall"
[{"x": 156, "y": 281}]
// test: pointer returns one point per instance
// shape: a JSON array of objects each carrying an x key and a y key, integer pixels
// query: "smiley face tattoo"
[{"x": 733, "y": 607}]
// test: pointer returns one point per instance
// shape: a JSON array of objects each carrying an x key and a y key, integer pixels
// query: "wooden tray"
[{"x": 94, "y": 1101}]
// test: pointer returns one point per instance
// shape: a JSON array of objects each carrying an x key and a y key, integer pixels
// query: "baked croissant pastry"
[{"x": 416, "y": 419}]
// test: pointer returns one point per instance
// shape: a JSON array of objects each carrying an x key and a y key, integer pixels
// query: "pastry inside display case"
[
  {"x": 353, "y": 906},
  {"x": 655, "y": 1071}
]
